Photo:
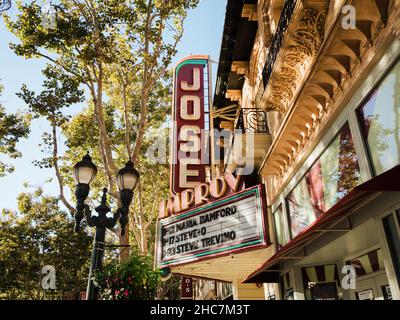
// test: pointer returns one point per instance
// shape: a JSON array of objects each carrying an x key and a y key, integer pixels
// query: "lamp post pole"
[
  {"x": 96, "y": 262},
  {"x": 101, "y": 223}
]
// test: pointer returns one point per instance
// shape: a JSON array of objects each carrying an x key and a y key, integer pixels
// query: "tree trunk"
[
  {"x": 57, "y": 169},
  {"x": 124, "y": 251},
  {"x": 142, "y": 223}
]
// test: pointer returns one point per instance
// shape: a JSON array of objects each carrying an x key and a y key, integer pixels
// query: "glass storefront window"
[
  {"x": 320, "y": 282},
  {"x": 286, "y": 287},
  {"x": 332, "y": 176},
  {"x": 380, "y": 121},
  {"x": 281, "y": 232},
  {"x": 393, "y": 238}
]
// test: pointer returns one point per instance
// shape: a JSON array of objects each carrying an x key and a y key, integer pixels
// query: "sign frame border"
[
  {"x": 203, "y": 60},
  {"x": 263, "y": 241}
]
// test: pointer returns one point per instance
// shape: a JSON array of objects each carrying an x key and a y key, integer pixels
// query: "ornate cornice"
[
  {"x": 249, "y": 11},
  {"x": 261, "y": 43},
  {"x": 299, "y": 50},
  {"x": 396, "y": 18},
  {"x": 264, "y": 21}
]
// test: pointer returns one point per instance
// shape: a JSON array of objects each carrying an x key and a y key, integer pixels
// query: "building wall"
[
  {"x": 248, "y": 291},
  {"x": 306, "y": 126}
]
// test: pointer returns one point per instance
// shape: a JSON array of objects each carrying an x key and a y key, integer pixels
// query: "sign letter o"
[
  {"x": 217, "y": 189},
  {"x": 184, "y": 107}
]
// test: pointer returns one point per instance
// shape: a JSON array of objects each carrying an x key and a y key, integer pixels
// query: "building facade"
[
  {"x": 307, "y": 107},
  {"x": 320, "y": 90}
]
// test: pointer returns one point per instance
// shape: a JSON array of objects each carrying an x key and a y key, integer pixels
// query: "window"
[
  {"x": 286, "y": 287},
  {"x": 281, "y": 233},
  {"x": 332, "y": 176},
  {"x": 320, "y": 282},
  {"x": 379, "y": 118},
  {"x": 392, "y": 234}
]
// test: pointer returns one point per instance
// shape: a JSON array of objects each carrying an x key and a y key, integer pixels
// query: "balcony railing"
[
  {"x": 250, "y": 123},
  {"x": 252, "y": 120},
  {"x": 277, "y": 39}
]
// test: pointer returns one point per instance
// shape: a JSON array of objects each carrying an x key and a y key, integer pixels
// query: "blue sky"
[{"x": 202, "y": 35}]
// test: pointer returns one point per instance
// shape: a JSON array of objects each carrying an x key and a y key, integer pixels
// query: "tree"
[
  {"x": 60, "y": 92},
  {"x": 122, "y": 49},
  {"x": 170, "y": 289},
  {"x": 13, "y": 127},
  {"x": 40, "y": 234}
]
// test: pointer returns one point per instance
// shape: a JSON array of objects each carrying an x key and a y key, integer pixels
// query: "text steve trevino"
[{"x": 192, "y": 234}]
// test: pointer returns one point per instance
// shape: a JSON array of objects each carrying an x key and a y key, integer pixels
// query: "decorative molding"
[
  {"x": 234, "y": 95},
  {"x": 395, "y": 21},
  {"x": 298, "y": 53},
  {"x": 240, "y": 67},
  {"x": 277, "y": 41},
  {"x": 249, "y": 11},
  {"x": 264, "y": 21},
  {"x": 257, "y": 62},
  {"x": 227, "y": 125}
]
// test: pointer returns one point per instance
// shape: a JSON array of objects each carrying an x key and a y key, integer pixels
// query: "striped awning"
[{"x": 321, "y": 273}]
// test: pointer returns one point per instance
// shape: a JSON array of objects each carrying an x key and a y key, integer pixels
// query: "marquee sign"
[
  {"x": 230, "y": 224},
  {"x": 189, "y": 119}
]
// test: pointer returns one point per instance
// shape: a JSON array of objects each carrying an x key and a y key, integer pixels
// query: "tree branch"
[
  {"x": 123, "y": 86},
  {"x": 58, "y": 64},
  {"x": 71, "y": 209},
  {"x": 145, "y": 87}
]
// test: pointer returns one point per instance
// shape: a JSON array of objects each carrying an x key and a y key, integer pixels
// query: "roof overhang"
[
  {"x": 237, "y": 42},
  {"x": 228, "y": 268}
]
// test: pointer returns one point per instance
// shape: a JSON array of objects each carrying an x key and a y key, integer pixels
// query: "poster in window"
[
  {"x": 387, "y": 293},
  {"x": 289, "y": 294},
  {"x": 365, "y": 295},
  {"x": 324, "y": 291}
]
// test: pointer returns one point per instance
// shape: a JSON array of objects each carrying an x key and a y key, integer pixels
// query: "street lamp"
[{"x": 127, "y": 179}]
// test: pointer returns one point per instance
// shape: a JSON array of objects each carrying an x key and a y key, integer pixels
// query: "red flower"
[
  {"x": 117, "y": 292},
  {"x": 126, "y": 293}
]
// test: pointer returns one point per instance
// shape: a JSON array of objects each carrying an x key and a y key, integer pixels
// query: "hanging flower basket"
[{"x": 131, "y": 280}]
